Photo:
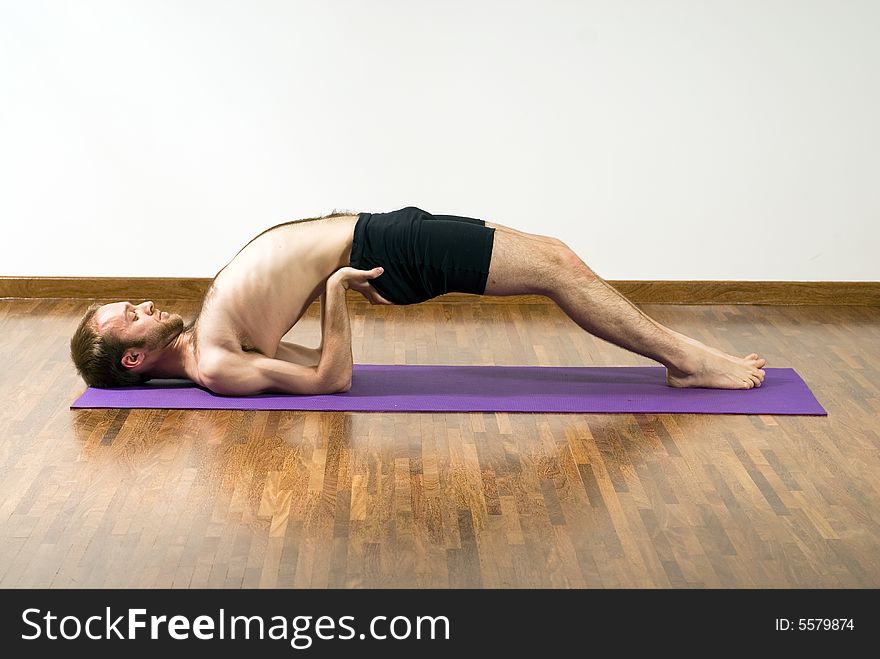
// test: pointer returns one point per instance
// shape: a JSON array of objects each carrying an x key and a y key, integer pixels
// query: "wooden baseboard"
[
  {"x": 105, "y": 288},
  {"x": 865, "y": 293}
]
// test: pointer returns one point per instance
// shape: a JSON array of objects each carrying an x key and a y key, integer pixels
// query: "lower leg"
[{"x": 598, "y": 308}]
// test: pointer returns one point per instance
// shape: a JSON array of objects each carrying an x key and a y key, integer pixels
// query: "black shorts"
[{"x": 423, "y": 255}]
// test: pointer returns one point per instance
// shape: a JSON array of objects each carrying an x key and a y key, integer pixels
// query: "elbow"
[
  {"x": 343, "y": 382},
  {"x": 335, "y": 385}
]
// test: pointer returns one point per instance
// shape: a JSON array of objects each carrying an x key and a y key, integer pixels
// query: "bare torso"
[{"x": 267, "y": 287}]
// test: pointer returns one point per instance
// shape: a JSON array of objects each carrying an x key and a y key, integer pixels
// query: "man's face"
[{"x": 133, "y": 324}]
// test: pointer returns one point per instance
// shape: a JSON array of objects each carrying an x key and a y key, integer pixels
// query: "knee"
[
  {"x": 556, "y": 251},
  {"x": 567, "y": 260}
]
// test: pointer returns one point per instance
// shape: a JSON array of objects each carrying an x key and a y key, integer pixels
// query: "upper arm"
[{"x": 253, "y": 373}]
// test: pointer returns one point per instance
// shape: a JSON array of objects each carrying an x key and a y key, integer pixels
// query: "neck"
[{"x": 177, "y": 359}]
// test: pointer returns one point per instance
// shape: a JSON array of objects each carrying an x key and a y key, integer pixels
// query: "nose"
[{"x": 148, "y": 306}]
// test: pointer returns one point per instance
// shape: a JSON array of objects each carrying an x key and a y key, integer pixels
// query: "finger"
[
  {"x": 382, "y": 300},
  {"x": 371, "y": 293},
  {"x": 376, "y": 297}
]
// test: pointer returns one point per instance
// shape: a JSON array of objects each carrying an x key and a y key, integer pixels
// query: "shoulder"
[{"x": 218, "y": 366}]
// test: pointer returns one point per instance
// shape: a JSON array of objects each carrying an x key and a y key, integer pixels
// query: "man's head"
[{"x": 116, "y": 344}]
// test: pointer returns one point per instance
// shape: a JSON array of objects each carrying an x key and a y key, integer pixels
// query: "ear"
[{"x": 132, "y": 358}]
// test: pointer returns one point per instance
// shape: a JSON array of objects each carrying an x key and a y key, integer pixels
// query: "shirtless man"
[{"x": 234, "y": 346}]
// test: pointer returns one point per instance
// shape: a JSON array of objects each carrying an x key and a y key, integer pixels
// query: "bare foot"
[{"x": 713, "y": 369}]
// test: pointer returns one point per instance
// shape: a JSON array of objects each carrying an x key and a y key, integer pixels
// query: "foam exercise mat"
[{"x": 583, "y": 389}]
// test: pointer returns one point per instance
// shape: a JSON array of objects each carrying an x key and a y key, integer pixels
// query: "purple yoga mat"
[{"x": 584, "y": 389}]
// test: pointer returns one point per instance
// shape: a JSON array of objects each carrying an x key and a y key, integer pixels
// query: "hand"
[{"x": 359, "y": 280}]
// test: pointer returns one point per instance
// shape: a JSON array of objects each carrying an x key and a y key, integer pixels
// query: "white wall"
[{"x": 661, "y": 139}]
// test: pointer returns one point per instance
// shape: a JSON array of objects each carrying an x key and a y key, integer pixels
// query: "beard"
[{"x": 165, "y": 332}]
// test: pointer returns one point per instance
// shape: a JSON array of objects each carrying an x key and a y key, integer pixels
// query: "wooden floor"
[{"x": 146, "y": 498}]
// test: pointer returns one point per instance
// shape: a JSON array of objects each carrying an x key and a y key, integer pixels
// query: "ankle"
[{"x": 683, "y": 357}]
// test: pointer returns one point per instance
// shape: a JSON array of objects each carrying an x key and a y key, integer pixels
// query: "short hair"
[{"x": 98, "y": 357}]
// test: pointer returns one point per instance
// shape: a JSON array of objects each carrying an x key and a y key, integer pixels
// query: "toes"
[
  {"x": 757, "y": 377},
  {"x": 759, "y": 361}
]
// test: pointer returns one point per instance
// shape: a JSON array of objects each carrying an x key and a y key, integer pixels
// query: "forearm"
[
  {"x": 335, "y": 365},
  {"x": 297, "y": 354}
]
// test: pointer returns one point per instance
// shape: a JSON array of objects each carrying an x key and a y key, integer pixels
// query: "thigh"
[{"x": 523, "y": 263}]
